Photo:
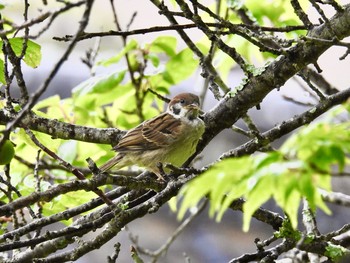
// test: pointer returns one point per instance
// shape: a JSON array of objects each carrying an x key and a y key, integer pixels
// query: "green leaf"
[
  {"x": 132, "y": 45},
  {"x": 7, "y": 152},
  {"x": 99, "y": 84},
  {"x": 68, "y": 151},
  {"x": 237, "y": 190},
  {"x": 291, "y": 207},
  {"x": 32, "y": 55},
  {"x": 260, "y": 193},
  {"x": 194, "y": 191},
  {"x": 298, "y": 171},
  {"x": 180, "y": 67},
  {"x": 76, "y": 198},
  {"x": 274, "y": 11},
  {"x": 229, "y": 184},
  {"x": 166, "y": 44},
  {"x": 262, "y": 161},
  {"x": 66, "y": 201},
  {"x": 54, "y": 207},
  {"x": 45, "y": 139},
  {"x": 48, "y": 102},
  {"x": 29, "y": 184},
  {"x": 173, "y": 204},
  {"x": 218, "y": 181},
  {"x": 2, "y": 72},
  {"x": 220, "y": 186},
  {"x": 154, "y": 59}
]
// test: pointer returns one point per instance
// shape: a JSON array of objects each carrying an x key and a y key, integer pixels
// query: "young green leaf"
[
  {"x": 54, "y": 100},
  {"x": 32, "y": 56},
  {"x": 132, "y": 45},
  {"x": 99, "y": 84},
  {"x": 154, "y": 59},
  {"x": 7, "y": 151},
  {"x": 2, "y": 72},
  {"x": 258, "y": 195},
  {"x": 166, "y": 44},
  {"x": 180, "y": 67}
]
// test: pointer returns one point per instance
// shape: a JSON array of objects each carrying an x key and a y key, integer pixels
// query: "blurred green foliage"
[
  {"x": 304, "y": 164},
  {"x": 121, "y": 99}
]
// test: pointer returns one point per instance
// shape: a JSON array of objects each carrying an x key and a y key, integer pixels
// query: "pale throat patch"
[{"x": 180, "y": 112}]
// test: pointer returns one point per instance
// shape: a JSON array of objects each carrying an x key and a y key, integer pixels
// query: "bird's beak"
[{"x": 192, "y": 107}]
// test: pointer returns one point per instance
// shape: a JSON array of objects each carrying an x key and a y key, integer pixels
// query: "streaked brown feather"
[
  {"x": 111, "y": 162},
  {"x": 153, "y": 134}
]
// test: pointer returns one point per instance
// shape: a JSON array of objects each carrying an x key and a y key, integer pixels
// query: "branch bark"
[{"x": 235, "y": 104}]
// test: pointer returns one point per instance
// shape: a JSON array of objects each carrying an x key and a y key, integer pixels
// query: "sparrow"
[{"x": 170, "y": 137}]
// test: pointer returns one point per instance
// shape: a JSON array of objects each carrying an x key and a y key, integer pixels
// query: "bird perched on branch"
[{"x": 170, "y": 137}]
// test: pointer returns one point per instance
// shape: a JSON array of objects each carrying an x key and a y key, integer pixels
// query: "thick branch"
[
  {"x": 76, "y": 185},
  {"x": 233, "y": 106},
  {"x": 289, "y": 126},
  {"x": 62, "y": 130}
]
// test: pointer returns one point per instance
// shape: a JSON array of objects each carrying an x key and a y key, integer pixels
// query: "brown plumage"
[{"x": 170, "y": 137}]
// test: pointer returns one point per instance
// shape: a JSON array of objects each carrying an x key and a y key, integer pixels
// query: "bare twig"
[
  {"x": 165, "y": 247},
  {"x": 72, "y": 169}
]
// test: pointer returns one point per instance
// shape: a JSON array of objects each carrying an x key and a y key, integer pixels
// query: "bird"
[{"x": 169, "y": 138}]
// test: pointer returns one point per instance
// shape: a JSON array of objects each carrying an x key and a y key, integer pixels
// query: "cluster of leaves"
[
  {"x": 120, "y": 98},
  {"x": 263, "y": 13},
  {"x": 100, "y": 101},
  {"x": 32, "y": 55},
  {"x": 304, "y": 164}
]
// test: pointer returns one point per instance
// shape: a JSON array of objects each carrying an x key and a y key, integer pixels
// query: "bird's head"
[{"x": 184, "y": 105}]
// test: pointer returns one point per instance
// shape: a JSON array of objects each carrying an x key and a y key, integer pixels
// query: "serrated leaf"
[
  {"x": 261, "y": 161},
  {"x": 321, "y": 204},
  {"x": 228, "y": 174},
  {"x": 194, "y": 191},
  {"x": 76, "y": 198},
  {"x": 220, "y": 186},
  {"x": 54, "y": 207},
  {"x": 45, "y": 139},
  {"x": 291, "y": 207},
  {"x": 236, "y": 191},
  {"x": 307, "y": 188},
  {"x": 261, "y": 192}
]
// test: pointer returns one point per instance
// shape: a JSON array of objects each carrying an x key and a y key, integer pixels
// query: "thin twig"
[
  {"x": 165, "y": 247},
  {"x": 72, "y": 169}
]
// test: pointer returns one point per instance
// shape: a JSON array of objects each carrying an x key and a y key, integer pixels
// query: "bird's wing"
[{"x": 153, "y": 134}]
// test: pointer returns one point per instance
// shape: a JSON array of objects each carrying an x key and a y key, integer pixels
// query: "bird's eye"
[{"x": 182, "y": 101}]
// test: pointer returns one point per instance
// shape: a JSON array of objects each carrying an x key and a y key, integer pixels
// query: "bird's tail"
[{"x": 110, "y": 163}]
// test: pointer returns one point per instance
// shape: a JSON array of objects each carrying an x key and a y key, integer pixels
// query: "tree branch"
[
  {"x": 235, "y": 104},
  {"x": 62, "y": 130}
]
